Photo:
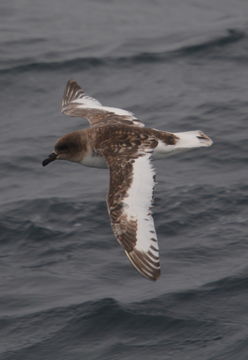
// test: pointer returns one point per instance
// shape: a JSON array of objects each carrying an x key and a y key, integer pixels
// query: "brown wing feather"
[
  {"x": 121, "y": 156},
  {"x": 76, "y": 103}
]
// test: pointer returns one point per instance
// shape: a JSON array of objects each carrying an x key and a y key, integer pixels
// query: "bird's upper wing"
[
  {"x": 76, "y": 103},
  {"x": 132, "y": 179}
]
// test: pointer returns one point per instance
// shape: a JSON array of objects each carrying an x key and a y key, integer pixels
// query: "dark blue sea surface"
[{"x": 67, "y": 291}]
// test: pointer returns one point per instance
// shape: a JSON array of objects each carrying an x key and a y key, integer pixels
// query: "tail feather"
[
  {"x": 185, "y": 141},
  {"x": 192, "y": 139}
]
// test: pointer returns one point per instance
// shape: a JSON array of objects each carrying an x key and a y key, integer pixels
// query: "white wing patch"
[
  {"x": 139, "y": 201},
  {"x": 91, "y": 103},
  {"x": 87, "y": 101}
]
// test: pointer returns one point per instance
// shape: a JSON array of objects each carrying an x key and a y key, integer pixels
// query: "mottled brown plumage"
[{"x": 118, "y": 140}]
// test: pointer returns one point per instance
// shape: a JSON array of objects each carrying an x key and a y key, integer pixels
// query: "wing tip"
[
  {"x": 142, "y": 266},
  {"x": 71, "y": 92},
  {"x": 71, "y": 82},
  {"x": 155, "y": 276}
]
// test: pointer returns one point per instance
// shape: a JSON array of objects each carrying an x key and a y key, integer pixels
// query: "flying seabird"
[{"x": 117, "y": 140}]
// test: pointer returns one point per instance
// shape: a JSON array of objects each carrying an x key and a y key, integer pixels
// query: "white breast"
[{"x": 93, "y": 160}]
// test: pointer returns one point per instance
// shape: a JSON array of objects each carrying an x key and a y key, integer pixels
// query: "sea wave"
[
  {"x": 188, "y": 319},
  {"x": 207, "y": 48},
  {"x": 43, "y": 213},
  {"x": 57, "y": 225},
  {"x": 106, "y": 322}
]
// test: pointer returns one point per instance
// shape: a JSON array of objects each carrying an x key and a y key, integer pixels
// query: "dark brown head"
[{"x": 71, "y": 147}]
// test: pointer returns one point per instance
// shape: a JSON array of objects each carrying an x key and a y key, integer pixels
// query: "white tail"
[
  {"x": 191, "y": 139},
  {"x": 186, "y": 141}
]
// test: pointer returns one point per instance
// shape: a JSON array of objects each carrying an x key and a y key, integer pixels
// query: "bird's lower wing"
[{"x": 132, "y": 180}]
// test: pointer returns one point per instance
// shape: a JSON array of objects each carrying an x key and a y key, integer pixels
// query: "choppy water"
[{"x": 66, "y": 289}]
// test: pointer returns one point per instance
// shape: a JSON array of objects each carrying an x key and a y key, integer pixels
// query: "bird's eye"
[{"x": 60, "y": 148}]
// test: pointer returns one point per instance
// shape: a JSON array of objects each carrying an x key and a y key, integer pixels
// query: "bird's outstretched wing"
[
  {"x": 132, "y": 180},
  {"x": 76, "y": 103}
]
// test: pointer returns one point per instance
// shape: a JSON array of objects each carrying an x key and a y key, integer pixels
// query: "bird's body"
[
  {"x": 123, "y": 138},
  {"x": 119, "y": 141}
]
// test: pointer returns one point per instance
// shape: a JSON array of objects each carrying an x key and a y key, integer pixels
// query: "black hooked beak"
[{"x": 50, "y": 158}]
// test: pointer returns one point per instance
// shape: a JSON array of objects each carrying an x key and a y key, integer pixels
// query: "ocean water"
[{"x": 67, "y": 292}]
